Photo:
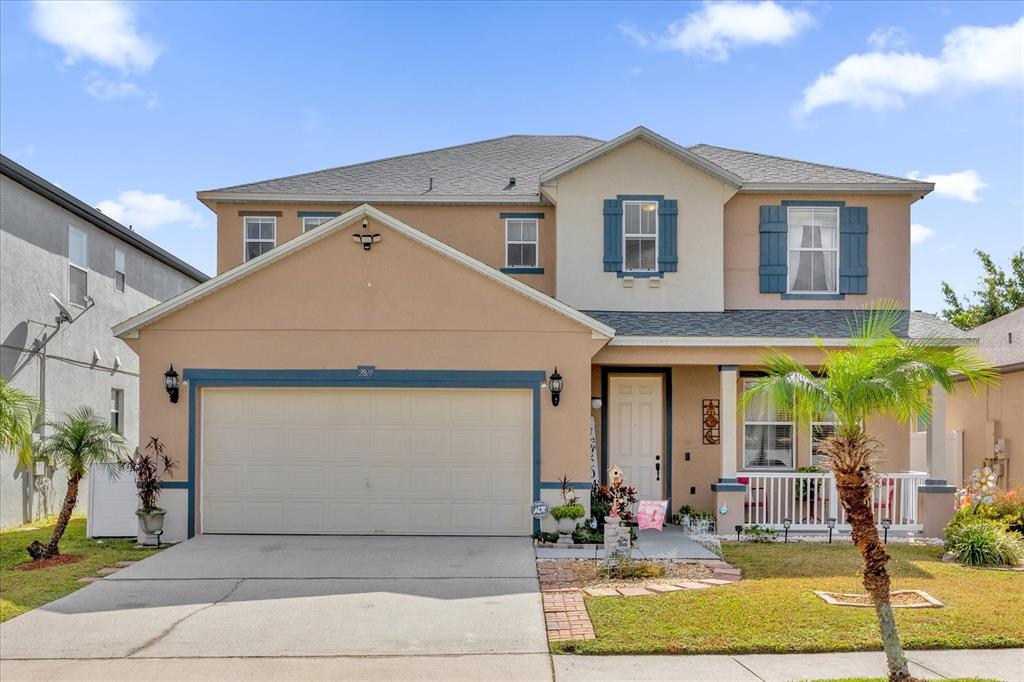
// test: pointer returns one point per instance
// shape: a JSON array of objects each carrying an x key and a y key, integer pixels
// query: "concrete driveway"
[{"x": 275, "y": 607}]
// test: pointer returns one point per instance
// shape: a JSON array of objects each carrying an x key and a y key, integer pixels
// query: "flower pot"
[
  {"x": 612, "y": 520},
  {"x": 151, "y": 525},
  {"x": 565, "y": 528}
]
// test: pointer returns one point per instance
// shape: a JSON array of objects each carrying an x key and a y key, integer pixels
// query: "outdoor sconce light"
[
  {"x": 786, "y": 523},
  {"x": 739, "y": 529},
  {"x": 367, "y": 240},
  {"x": 886, "y": 523},
  {"x": 596, "y": 403},
  {"x": 831, "y": 526},
  {"x": 556, "y": 384},
  {"x": 171, "y": 384}
]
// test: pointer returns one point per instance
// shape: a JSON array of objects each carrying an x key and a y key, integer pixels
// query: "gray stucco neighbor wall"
[{"x": 34, "y": 263}]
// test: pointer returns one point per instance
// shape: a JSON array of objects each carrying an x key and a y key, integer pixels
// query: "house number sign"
[{"x": 365, "y": 371}]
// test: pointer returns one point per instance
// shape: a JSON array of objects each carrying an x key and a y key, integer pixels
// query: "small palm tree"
[
  {"x": 78, "y": 441},
  {"x": 879, "y": 374},
  {"x": 18, "y": 412}
]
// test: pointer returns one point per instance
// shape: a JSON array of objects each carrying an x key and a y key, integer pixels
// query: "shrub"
[
  {"x": 545, "y": 537},
  {"x": 568, "y": 511},
  {"x": 628, "y": 569},
  {"x": 756, "y": 533},
  {"x": 585, "y": 535},
  {"x": 1009, "y": 506},
  {"x": 984, "y": 542}
]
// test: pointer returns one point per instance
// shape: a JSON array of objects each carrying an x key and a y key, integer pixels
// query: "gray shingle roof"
[
  {"x": 1002, "y": 339},
  {"x": 763, "y": 323},
  {"x": 484, "y": 168},
  {"x": 753, "y": 167}
]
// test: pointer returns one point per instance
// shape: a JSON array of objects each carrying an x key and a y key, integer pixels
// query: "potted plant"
[
  {"x": 146, "y": 466},
  {"x": 568, "y": 513}
]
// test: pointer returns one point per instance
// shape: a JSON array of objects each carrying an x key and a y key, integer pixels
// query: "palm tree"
[
  {"x": 17, "y": 418},
  {"x": 878, "y": 374},
  {"x": 78, "y": 441}
]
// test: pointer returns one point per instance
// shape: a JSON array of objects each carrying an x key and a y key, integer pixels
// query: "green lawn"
[
  {"x": 21, "y": 591},
  {"x": 773, "y": 609}
]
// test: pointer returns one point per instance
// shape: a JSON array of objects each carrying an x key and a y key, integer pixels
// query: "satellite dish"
[{"x": 63, "y": 315}]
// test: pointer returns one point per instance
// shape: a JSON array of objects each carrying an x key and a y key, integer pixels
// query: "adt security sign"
[{"x": 539, "y": 509}]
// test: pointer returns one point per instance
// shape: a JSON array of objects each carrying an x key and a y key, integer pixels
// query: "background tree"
[
  {"x": 77, "y": 442},
  {"x": 18, "y": 412},
  {"x": 878, "y": 374},
  {"x": 998, "y": 293}
]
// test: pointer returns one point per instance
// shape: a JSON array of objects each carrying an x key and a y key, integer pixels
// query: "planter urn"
[
  {"x": 151, "y": 523},
  {"x": 565, "y": 527}
]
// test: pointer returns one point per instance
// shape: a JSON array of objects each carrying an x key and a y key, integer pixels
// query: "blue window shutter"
[
  {"x": 612, "y": 235},
  {"x": 853, "y": 250},
  {"x": 774, "y": 253},
  {"x": 668, "y": 214}
]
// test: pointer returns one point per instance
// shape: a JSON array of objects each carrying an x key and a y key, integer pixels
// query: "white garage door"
[{"x": 347, "y": 460}]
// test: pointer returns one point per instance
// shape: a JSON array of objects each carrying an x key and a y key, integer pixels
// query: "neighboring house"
[
  {"x": 992, "y": 422},
  {"x": 377, "y": 351},
  {"x": 101, "y": 272}
]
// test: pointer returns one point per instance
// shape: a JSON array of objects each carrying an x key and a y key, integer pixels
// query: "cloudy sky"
[{"x": 135, "y": 107}]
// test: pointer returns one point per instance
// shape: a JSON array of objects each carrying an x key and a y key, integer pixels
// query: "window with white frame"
[
  {"x": 120, "y": 272},
  {"x": 640, "y": 236},
  {"x": 117, "y": 409},
  {"x": 260, "y": 235},
  {"x": 823, "y": 426},
  {"x": 521, "y": 242},
  {"x": 78, "y": 266},
  {"x": 311, "y": 221},
  {"x": 767, "y": 434},
  {"x": 813, "y": 249}
]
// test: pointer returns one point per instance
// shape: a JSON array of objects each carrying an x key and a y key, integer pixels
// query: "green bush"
[
  {"x": 756, "y": 533},
  {"x": 545, "y": 537},
  {"x": 628, "y": 569},
  {"x": 981, "y": 541},
  {"x": 585, "y": 535},
  {"x": 568, "y": 511}
]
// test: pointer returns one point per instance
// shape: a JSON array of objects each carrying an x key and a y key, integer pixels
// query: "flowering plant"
[
  {"x": 980, "y": 489},
  {"x": 618, "y": 496}
]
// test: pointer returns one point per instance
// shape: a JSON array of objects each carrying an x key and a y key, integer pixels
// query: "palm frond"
[
  {"x": 18, "y": 411},
  {"x": 80, "y": 440}
]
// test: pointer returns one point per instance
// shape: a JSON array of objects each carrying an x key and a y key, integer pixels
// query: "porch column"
[
  {"x": 935, "y": 499},
  {"x": 729, "y": 493}
]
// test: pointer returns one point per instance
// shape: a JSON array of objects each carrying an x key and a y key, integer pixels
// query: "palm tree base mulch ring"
[
  {"x": 59, "y": 560},
  {"x": 901, "y": 599}
]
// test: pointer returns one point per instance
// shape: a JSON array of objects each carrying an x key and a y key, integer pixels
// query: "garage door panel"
[{"x": 430, "y": 461}]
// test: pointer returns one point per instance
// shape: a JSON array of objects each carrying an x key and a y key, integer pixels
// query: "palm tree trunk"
[
  {"x": 855, "y": 495},
  {"x": 39, "y": 551}
]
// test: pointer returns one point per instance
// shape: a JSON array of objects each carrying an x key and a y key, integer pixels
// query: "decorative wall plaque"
[{"x": 711, "y": 421}]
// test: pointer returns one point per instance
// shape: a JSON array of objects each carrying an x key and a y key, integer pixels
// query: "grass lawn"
[
  {"x": 21, "y": 591},
  {"x": 773, "y": 609}
]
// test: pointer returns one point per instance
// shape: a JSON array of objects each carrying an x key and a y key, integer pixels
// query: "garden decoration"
[
  {"x": 146, "y": 466},
  {"x": 568, "y": 513}
]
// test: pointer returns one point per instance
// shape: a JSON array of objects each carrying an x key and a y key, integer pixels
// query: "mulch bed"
[
  {"x": 910, "y": 599},
  {"x": 59, "y": 560}
]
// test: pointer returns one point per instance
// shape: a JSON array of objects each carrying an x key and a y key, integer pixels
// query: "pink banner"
[{"x": 651, "y": 514}]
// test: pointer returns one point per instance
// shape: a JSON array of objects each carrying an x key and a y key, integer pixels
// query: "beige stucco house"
[{"x": 375, "y": 354}]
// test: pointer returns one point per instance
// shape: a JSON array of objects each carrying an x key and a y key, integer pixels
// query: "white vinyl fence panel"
[{"x": 112, "y": 505}]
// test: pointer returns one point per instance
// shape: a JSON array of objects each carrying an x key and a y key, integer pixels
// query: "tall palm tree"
[
  {"x": 77, "y": 442},
  {"x": 18, "y": 412},
  {"x": 878, "y": 374}
]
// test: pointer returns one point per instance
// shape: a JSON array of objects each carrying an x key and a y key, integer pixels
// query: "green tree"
[
  {"x": 998, "y": 293},
  {"x": 18, "y": 412},
  {"x": 878, "y": 374},
  {"x": 77, "y": 442}
]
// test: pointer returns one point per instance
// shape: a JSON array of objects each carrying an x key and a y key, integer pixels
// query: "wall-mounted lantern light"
[
  {"x": 171, "y": 384},
  {"x": 556, "y": 384}
]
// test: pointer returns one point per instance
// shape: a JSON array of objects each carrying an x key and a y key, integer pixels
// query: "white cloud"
[
  {"x": 639, "y": 37},
  {"x": 889, "y": 38},
  {"x": 972, "y": 57},
  {"x": 145, "y": 211},
  {"x": 718, "y": 27},
  {"x": 964, "y": 185},
  {"x": 103, "y": 89},
  {"x": 101, "y": 31},
  {"x": 918, "y": 233}
]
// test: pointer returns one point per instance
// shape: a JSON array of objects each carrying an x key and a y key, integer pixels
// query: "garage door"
[{"x": 350, "y": 461}]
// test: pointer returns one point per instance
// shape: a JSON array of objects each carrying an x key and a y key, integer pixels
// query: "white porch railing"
[{"x": 810, "y": 499}]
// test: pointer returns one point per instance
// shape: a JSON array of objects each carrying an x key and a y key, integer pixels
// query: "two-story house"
[
  {"x": 54, "y": 246},
  {"x": 427, "y": 343}
]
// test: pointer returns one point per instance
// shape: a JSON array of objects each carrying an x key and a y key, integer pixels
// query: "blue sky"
[{"x": 135, "y": 107}]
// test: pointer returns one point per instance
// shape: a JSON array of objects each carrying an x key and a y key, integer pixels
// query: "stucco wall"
[
  {"x": 398, "y": 306},
  {"x": 478, "y": 231},
  {"x": 888, "y": 250},
  {"x": 34, "y": 263},
  {"x": 640, "y": 168},
  {"x": 995, "y": 412}
]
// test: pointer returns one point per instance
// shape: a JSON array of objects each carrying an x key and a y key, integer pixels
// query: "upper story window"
[
  {"x": 78, "y": 266},
  {"x": 813, "y": 250},
  {"x": 260, "y": 235},
  {"x": 309, "y": 222},
  {"x": 521, "y": 242},
  {"x": 768, "y": 432},
  {"x": 640, "y": 236},
  {"x": 117, "y": 409},
  {"x": 120, "y": 272}
]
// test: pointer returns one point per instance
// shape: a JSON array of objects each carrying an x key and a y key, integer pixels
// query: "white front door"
[{"x": 635, "y": 432}]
